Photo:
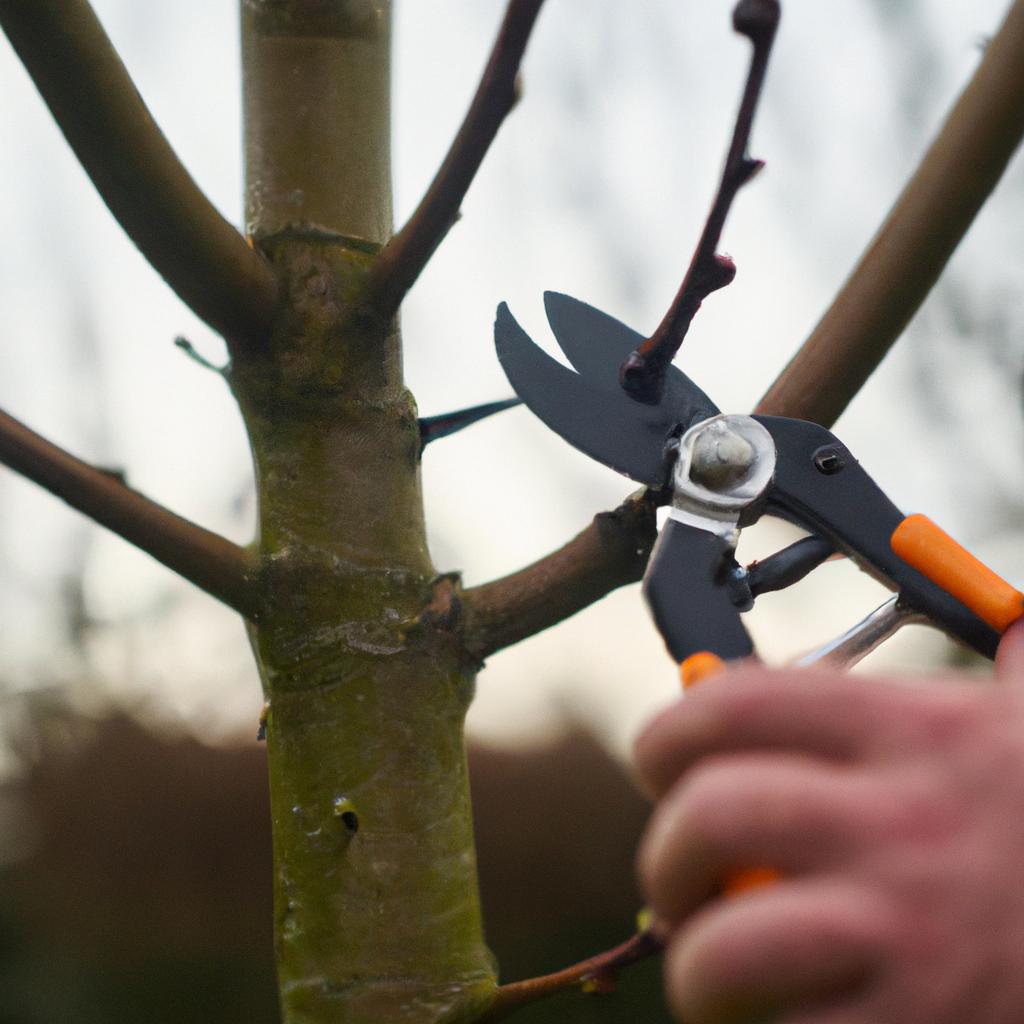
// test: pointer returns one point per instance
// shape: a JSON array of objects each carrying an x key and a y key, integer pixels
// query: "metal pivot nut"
[
  {"x": 721, "y": 457},
  {"x": 724, "y": 466}
]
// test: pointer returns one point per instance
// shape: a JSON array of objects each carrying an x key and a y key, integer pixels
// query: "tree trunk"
[{"x": 377, "y": 913}]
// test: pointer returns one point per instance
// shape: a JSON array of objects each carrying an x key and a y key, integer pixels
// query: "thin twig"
[
  {"x": 197, "y": 357},
  {"x": 208, "y": 560},
  {"x": 597, "y": 974},
  {"x": 405, "y": 256},
  {"x": 899, "y": 267},
  {"x": 611, "y": 552},
  {"x": 643, "y": 372},
  {"x": 93, "y": 100}
]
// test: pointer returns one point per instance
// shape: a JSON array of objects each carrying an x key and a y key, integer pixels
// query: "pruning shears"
[{"x": 721, "y": 473}]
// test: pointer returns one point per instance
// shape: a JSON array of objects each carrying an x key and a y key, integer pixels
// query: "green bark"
[
  {"x": 317, "y": 115},
  {"x": 376, "y": 902}
]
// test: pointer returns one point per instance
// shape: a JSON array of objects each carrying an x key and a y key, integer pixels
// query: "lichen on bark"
[{"x": 376, "y": 903}]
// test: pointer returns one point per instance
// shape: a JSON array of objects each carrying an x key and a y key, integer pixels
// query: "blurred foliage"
[
  {"x": 137, "y": 877},
  {"x": 142, "y": 891}
]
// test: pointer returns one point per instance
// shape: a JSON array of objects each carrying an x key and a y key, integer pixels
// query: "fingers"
[
  {"x": 820, "y": 713},
  {"x": 843, "y": 718},
  {"x": 791, "y": 813},
  {"x": 1010, "y": 656},
  {"x": 777, "y": 952}
]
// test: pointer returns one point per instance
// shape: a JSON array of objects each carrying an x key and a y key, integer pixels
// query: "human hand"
[{"x": 895, "y": 813}]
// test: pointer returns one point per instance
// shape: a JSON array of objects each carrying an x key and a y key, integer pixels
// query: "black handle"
[{"x": 687, "y": 589}]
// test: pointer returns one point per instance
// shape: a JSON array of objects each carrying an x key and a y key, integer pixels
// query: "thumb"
[{"x": 1010, "y": 656}]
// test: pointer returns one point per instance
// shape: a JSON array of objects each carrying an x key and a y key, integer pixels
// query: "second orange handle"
[
  {"x": 933, "y": 553},
  {"x": 693, "y": 670}
]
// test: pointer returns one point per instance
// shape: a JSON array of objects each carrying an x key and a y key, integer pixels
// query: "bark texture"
[{"x": 376, "y": 904}]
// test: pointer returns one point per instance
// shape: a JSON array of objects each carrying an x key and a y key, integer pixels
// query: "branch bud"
[
  {"x": 721, "y": 272},
  {"x": 757, "y": 19},
  {"x": 749, "y": 169}
]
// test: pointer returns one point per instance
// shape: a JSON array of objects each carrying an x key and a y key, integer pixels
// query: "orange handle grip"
[
  {"x": 693, "y": 670},
  {"x": 934, "y": 554},
  {"x": 699, "y": 666},
  {"x": 747, "y": 879}
]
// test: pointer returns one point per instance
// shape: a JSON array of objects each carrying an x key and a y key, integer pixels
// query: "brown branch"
[
  {"x": 93, "y": 100},
  {"x": 901, "y": 264},
  {"x": 597, "y": 974},
  {"x": 643, "y": 372},
  {"x": 214, "y": 564},
  {"x": 611, "y": 552},
  {"x": 405, "y": 256}
]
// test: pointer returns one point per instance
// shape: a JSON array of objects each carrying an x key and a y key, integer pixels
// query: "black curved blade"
[
  {"x": 687, "y": 589},
  {"x": 591, "y": 411},
  {"x": 596, "y": 344}
]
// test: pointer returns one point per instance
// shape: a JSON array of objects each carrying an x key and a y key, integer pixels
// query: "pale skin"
[{"x": 895, "y": 813}]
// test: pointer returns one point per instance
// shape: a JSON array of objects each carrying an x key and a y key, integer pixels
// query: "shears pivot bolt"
[{"x": 721, "y": 457}]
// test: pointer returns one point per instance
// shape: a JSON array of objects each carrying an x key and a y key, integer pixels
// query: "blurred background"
[{"x": 144, "y": 893}]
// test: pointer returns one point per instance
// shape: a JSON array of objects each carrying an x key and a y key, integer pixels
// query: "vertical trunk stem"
[{"x": 376, "y": 903}]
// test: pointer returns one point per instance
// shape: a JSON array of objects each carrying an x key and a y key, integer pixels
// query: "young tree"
[{"x": 367, "y": 653}]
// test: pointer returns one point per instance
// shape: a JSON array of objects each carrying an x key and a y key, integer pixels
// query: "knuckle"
[
  {"x": 929, "y": 720},
  {"x": 653, "y": 735},
  {"x": 918, "y": 810},
  {"x": 708, "y": 802},
  {"x": 708, "y": 970},
  {"x": 660, "y": 752},
  {"x": 684, "y": 831},
  {"x": 679, "y": 989},
  {"x": 745, "y": 699},
  {"x": 944, "y": 719},
  {"x": 690, "y": 973}
]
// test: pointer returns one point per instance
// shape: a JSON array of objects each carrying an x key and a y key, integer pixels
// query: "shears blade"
[{"x": 589, "y": 408}]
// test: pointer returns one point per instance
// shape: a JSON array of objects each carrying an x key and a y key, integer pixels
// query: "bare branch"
[
  {"x": 643, "y": 372},
  {"x": 206, "y": 559},
  {"x": 901, "y": 264},
  {"x": 596, "y": 974},
  {"x": 405, "y": 256},
  {"x": 92, "y": 98},
  {"x": 609, "y": 553}
]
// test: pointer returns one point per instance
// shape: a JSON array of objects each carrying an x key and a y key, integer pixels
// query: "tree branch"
[
  {"x": 405, "y": 256},
  {"x": 901, "y": 264},
  {"x": 93, "y": 100},
  {"x": 611, "y": 552},
  {"x": 596, "y": 974},
  {"x": 206, "y": 559},
  {"x": 643, "y": 372}
]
